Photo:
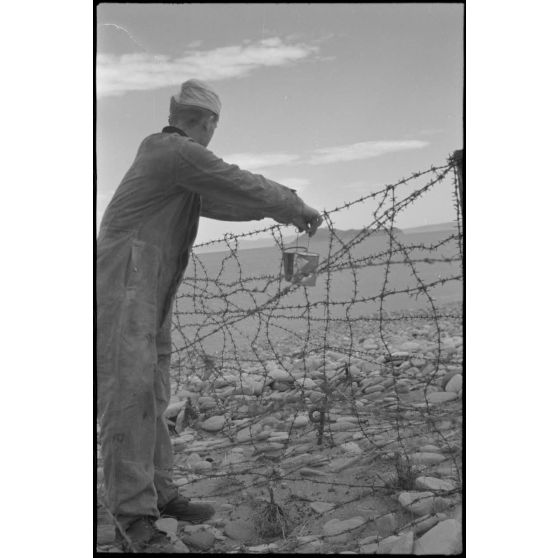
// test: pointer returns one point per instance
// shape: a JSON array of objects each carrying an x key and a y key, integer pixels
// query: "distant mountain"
[
  {"x": 322, "y": 235},
  {"x": 438, "y": 227}
]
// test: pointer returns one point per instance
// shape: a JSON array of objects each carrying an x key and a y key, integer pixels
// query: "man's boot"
[
  {"x": 183, "y": 510},
  {"x": 144, "y": 537}
]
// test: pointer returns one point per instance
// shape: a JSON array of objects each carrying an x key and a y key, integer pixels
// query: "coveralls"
[{"x": 143, "y": 245}]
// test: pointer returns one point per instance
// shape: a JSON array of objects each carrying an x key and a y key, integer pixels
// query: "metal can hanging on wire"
[{"x": 300, "y": 265}]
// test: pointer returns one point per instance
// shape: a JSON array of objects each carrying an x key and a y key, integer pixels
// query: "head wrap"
[{"x": 196, "y": 93}]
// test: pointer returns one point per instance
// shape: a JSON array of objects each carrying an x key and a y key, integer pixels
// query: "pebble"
[
  {"x": 433, "y": 483},
  {"x": 105, "y": 534},
  {"x": 198, "y": 536},
  {"x": 213, "y": 424},
  {"x": 280, "y": 375},
  {"x": 455, "y": 384},
  {"x": 305, "y": 383},
  {"x": 263, "y": 548},
  {"x": 351, "y": 448},
  {"x": 437, "y": 397},
  {"x": 240, "y": 530},
  {"x": 385, "y": 545},
  {"x": 403, "y": 544},
  {"x": 338, "y": 465},
  {"x": 322, "y": 507},
  {"x": 206, "y": 403},
  {"x": 201, "y": 466},
  {"x": 167, "y": 524},
  {"x": 300, "y": 421},
  {"x": 446, "y": 378},
  {"x": 423, "y": 503},
  {"x": 411, "y": 346},
  {"x": 336, "y": 526},
  {"x": 307, "y": 472},
  {"x": 180, "y": 547},
  {"x": 430, "y": 448},
  {"x": 419, "y": 503},
  {"x": 426, "y": 458},
  {"x": 248, "y": 433},
  {"x": 386, "y": 524},
  {"x": 444, "y": 538}
]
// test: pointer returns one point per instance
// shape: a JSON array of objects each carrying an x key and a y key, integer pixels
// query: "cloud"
[
  {"x": 327, "y": 155},
  {"x": 259, "y": 161},
  {"x": 117, "y": 75},
  {"x": 361, "y": 150}
]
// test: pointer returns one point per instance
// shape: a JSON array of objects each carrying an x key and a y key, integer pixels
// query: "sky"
[{"x": 333, "y": 100}]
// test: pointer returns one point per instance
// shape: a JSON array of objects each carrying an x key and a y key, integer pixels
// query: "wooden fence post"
[{"x": 457, "y": 158}]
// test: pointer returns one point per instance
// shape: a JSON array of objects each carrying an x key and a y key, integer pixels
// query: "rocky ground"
[{"x": 353, "y": 449}]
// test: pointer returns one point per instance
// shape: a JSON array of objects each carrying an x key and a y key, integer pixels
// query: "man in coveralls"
[{"x": 143, "y": 246}]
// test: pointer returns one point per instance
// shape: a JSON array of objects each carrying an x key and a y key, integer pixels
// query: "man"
[{"x": 142, "y": 251}]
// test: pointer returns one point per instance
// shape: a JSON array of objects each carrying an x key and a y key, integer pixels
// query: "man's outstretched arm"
[{"x": 231, "y": 194}]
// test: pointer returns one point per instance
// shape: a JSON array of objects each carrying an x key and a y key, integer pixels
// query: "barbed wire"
[{"x": 296, "y": 372}]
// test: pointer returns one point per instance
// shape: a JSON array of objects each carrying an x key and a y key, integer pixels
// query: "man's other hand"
[{"x": 309, "y": 220}]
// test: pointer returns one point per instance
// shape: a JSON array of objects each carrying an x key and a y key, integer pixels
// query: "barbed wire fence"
[{"x": 275, "y": 380}]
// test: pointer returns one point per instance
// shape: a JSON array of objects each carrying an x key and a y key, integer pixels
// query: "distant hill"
[
  {"x": 322, "y": 235},
  {"x": 438, "y": 227}
]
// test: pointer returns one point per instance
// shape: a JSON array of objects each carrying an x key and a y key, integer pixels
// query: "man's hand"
[{"x": 308, "y": 221}]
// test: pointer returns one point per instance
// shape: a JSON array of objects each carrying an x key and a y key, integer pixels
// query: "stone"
[
  {"x": 438, "y": 397},
  {"x": 386, "y": 524},
  {"x": 307, "y": 472},
  {"x": 351, "y": 448},
  {"x": 446, "y": 379},
  {"x": 423, "y": 503},
  {"x": 199, "y": 536},
  {"x": 105, "y": 534},
  {"x": 427, "y": 458},
  {"x": 433, "y": 484},
  {"x": 371, "y": 548},
  {"x": 263, "y": 548},
  {"x": 404, "y": 544},
  {"x": 240, "y": 530},
  {"x": 167, "y": 524},
  {"x": 201, "y": 466},
  {"x": 281, "y": 386},
  {"x": 281, "y": 436},
  {"x": 213, "y": 424},
  {"x": 322, "y": 507},
  {"x": 373, "y": 389},
  {"x": 206, "y": 403},
  {"x": 419, "y": 503},
  {"x": 173, "y": 409},
  {"x": 306, "y": 383},
  {"x": 300, "y": 421},
  {"x": 308, "y": 544},
  {"x": 180, "y": 547},
  {"x": 445, "y": 538},
  {"x": 336, "y": 526},
  {"x": 385, "y": 545},
  {"x": 424, "y": 523},
  {"x": 369, "y": 343},
  {"x": 280, "y": 375},
  {"x": 430, "y": 448},
  {"x": 342, "y": 463},
  {"x": 411, "y": 346},
  {"x": 248, "y": 433},
  {"x": 455, "y": 384}
]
